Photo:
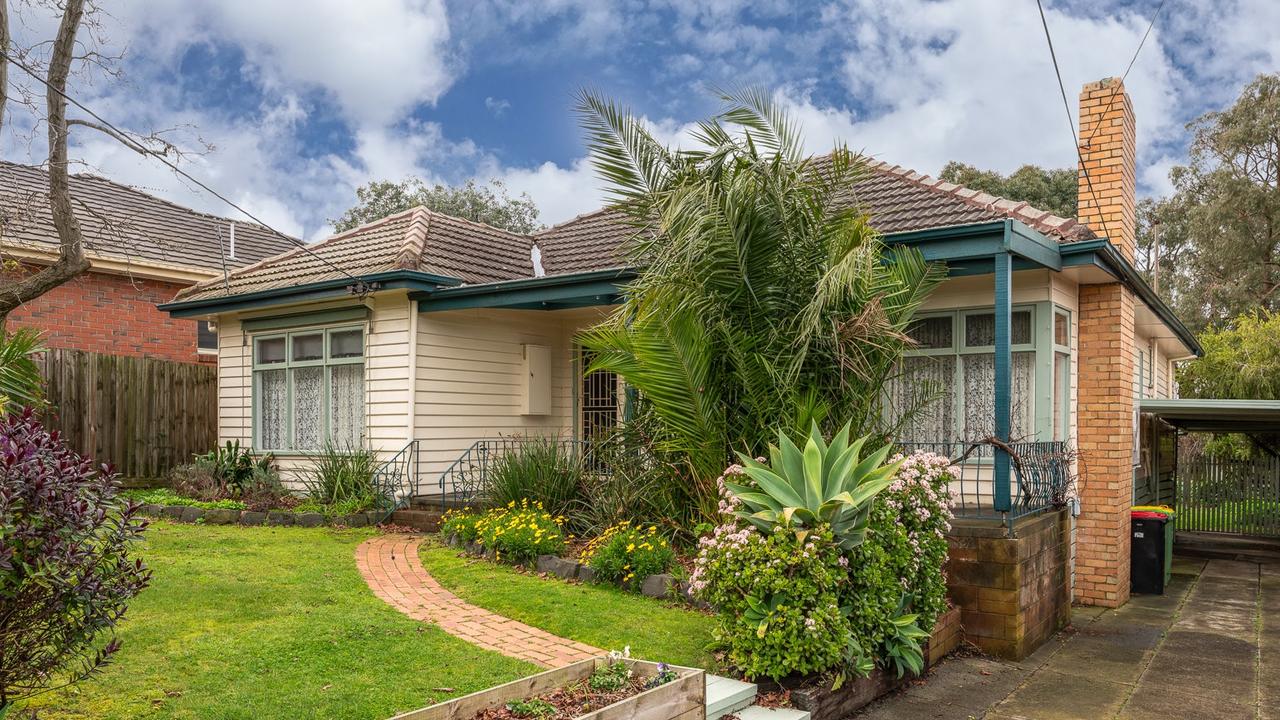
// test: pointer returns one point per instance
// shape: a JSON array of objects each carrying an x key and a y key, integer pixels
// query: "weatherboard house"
[{"x": 1043, "y": 333}]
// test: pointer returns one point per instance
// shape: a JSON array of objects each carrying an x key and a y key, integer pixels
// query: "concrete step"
[
  {"x": 424, "y": 520},
  {"x": 755, "y": 712},
  {"x": 726, "y": 695}
]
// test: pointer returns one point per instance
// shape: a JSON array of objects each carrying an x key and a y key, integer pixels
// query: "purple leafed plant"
[{"x": 66, "y": 574}]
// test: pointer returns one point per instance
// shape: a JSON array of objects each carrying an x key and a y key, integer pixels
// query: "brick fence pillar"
[{"x": 1104, "y": 430}]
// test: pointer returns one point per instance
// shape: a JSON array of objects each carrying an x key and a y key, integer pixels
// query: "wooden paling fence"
[
  {"x": 142, "y": 415},
  {"x": 1227, "y": 495}
]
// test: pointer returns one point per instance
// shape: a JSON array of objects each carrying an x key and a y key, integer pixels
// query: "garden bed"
[
  {"x": 279, "y": 518},
  {"x": 681, "y": 698},
  {"x": 823, "y": 703},
  {"x": 662, "y": 585}
]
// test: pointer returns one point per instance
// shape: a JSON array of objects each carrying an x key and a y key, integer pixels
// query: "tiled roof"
[
  {"x": 125, "y": 224},
  {"x": 415, "y": 239},
  {"x": 896, "y": 200}
]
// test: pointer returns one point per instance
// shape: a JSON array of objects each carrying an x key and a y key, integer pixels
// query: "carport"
[{"x": 1212, "y": 494}]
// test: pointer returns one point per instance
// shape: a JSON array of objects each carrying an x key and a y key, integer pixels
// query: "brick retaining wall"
[{"x": 1013, "y": 592}]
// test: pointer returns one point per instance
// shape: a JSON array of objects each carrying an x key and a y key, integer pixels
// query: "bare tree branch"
[{"x": 71, "y": 258}]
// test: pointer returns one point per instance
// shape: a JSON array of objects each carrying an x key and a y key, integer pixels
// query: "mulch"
[{"x": 569, "y": 702}]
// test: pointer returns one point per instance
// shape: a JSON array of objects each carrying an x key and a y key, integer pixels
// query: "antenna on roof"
[{"x": 233, "y": 240}]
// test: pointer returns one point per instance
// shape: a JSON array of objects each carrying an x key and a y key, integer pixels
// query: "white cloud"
[
  {"x": 497, "y": 106},
  {"x": 377, "y": 58},
  {"x": 559, "y": 192}
]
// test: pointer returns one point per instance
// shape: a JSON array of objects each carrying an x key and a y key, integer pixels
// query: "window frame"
[
  {"x": 1063, "y": 409},
  {"x": 1042, "y": 344},
  {"x": 288, "y": 365},
  {"x": 213, "y": 328}
]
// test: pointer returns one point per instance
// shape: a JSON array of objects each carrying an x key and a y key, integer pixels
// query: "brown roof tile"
[
  {"x": 896, "y": 200},
  {"x": 125, "y": 224}
]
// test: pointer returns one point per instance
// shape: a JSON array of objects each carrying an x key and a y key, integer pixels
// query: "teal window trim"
[
  {"x": 1042, "y": 343},
  {"x": 332, "y": 316},
  {"x": 1063, "y": 408},
  {"x": 288, "y": 365}
]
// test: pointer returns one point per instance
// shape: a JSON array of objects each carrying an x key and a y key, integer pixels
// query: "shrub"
[
  {"x": 233, "y": 465},
  {"x": 776, "y": 589},
  {"x": 264, "y": 491},
  {"x": 821, "y": 485},
  {"x": 199, "y": 481},
  {"x": 342, "y": 474},
  {"x": 461, "y": 523},
  {"x": 623, "y": 553},
  {"x": 543, "y": 470},
  {"x": 164, "y": 496},
  {"x": 898, "y": 570},
  {"x": 641, "y": 484},
  {"x": 520, "y": 532},
  {"x": 66, "y": 571},
  {"x": 777, "y": 598}
]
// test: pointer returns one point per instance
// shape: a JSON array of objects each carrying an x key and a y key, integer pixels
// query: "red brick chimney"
[{"x": 1108, "y": 175}]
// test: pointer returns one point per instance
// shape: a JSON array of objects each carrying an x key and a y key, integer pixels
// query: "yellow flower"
[{"x": 631, "y": 547}]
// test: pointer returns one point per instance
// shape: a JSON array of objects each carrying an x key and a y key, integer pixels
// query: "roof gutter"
[
  {"x": 1118, "y": 265},
  {"x": 325, "y": 289}
]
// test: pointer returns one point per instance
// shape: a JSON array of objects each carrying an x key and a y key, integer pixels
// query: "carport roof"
[{"x": 1214, "y": 415}]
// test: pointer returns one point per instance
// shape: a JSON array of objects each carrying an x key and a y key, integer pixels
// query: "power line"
[
  {"x": 1132, "y": 60},
  {"x": 1066, "y": 105},
  {"x": 172, "y": 166}
]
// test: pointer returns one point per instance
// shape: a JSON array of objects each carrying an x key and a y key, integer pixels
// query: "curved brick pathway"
[{"x": 389, "y": 563}]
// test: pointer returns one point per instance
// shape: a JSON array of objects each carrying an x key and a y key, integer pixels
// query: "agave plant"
[{"x": 828, "y": 484}]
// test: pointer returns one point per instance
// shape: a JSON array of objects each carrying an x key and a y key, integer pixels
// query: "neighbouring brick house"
[
  {"x": 143, "y": 250},
  {"x": 1042, "y": 336}
]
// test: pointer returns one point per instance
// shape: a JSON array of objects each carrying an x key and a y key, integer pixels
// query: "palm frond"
[
  {"x": 20, "y": 381},
  {"x": 627, "y": 157}
]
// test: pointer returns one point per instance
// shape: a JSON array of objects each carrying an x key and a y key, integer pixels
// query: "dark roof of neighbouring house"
[
  {"x": 125, "y": 224},
  {"x": 897, "y": 200}
]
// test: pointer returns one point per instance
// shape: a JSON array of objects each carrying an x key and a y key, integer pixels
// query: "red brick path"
[{"x": 389, "y": 563}]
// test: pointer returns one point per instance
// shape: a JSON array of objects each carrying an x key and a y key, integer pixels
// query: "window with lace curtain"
[
  {"x": 308, "y": 387},
  {"x": 944, "y": 390}
]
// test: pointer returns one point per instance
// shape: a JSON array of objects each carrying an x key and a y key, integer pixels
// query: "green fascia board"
[
  {"x": 314, "y": 317},
  {"x": 597, "y": 287},
  {"x": 1102, "y": 253},
  {"x": 982, "y": 241},
  {"x": 323, "y": 290}
]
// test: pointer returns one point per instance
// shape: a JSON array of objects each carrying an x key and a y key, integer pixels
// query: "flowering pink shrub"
[
  {"x": 905, "y": 550},
  {"x": 792, "y": 606}
]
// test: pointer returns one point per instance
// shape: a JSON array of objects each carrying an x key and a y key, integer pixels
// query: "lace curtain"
[
  {"x": 926, "y": 384},
  {"x": 346, "y": 404},
  {"x": 272, "y": 404},
  {"x": 980, "y": 395},
  {"x": 308, "y": 408}
]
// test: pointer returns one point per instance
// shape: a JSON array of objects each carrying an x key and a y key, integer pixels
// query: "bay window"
[
  {"x": 308, "y": 387},
  {"x": 944, "y": 390}
]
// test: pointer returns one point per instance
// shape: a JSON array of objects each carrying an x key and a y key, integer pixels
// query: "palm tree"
[
  {"x": 20, "y": 380},
  {"x": 766, "y": 302}
]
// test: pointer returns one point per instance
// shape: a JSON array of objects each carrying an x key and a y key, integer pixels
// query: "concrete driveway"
[{"x": 1208, "y": 648}]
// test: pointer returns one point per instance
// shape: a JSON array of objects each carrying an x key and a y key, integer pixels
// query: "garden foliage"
[
  {"x": 520, "y": 532},
  {"x": 766, "y": 297},
  {"x": 798, "y": 603},
  {"x": 67, "y": 571},
  {"x": 628, "y": 554},
  {"x": 342, "y": 476},
  {"x": 540, "y": 469}
]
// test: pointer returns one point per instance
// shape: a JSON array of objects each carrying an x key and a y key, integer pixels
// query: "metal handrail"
[
  {"x": 1039, "y": 480},
  {"x": 466, "y": 480},
  {"x": 395, "y": 481}
]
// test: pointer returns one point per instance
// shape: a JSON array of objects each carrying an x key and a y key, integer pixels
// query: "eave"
[{"x": 412, "y": 280}]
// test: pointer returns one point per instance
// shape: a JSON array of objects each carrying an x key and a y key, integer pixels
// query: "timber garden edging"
[
  {"x": 684, "y": 698},
  {"x": 253, "y": 518}
]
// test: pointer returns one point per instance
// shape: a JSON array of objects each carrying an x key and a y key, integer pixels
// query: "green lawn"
[
  {"x": 602, "y": 616},
  {"x": 271, "y": 623}
]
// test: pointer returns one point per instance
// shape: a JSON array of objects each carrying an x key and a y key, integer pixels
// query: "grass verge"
[
  {"x": 258, "y": 622},
  {"x": 599, "y": 615}
]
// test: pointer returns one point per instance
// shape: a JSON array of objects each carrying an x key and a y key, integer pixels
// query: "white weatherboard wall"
[
  {"x": 472, "y": 377},
  {"x": 387, "y": 395}
]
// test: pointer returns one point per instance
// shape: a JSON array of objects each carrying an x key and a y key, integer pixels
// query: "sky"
[{"x": 298, "y": 108}]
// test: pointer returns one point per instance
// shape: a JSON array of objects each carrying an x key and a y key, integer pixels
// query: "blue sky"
[{"x": 303, "y": 107}]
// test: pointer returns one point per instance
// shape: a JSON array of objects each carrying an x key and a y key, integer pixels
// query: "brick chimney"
[{"x": 1109, "y": 164}]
